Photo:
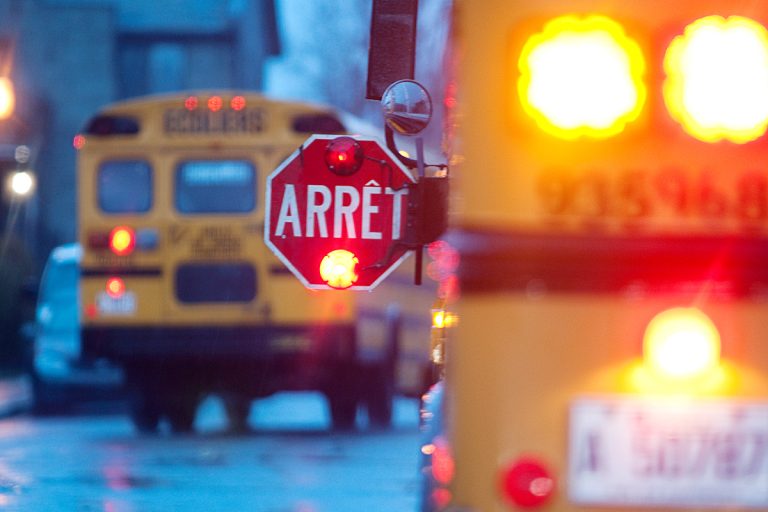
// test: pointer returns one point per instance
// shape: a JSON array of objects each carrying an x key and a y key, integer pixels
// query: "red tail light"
[
  {"x": 442, "y": 462},
  {"x": 122, "y": 240},
  {"x": 527, "y": 483},
  {"x": 115, "y": 287}
]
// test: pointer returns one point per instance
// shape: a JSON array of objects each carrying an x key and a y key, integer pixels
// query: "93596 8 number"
[{"x": 641, "y": 194}]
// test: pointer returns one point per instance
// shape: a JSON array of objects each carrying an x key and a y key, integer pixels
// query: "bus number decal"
[
  {"x": 639, "y": 194},
  {"x": 215, "y": 242}
]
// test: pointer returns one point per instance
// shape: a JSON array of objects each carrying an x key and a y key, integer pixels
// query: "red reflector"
[
  {"x": 344, "y": 156},
  {"x": 527, "y": 483},
  {"x": 115, "y": 287},
  {"x": 98, "y": 240},
  {"x": 122, "y": 240}
]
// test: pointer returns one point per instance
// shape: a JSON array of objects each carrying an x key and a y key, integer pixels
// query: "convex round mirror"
[{"x": 407, "y": 107}]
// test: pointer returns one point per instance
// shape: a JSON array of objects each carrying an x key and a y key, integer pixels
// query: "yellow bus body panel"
[{"x": 517, "y": 361}]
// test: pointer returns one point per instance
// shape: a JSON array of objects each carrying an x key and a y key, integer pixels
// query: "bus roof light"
[
  {"x": 191, "y": 103},
  {"x": 215, "y": 103},
  {"x": 237, "y": 103},
  {"x": 717, "y": 75},
  {"x": 582, "y": 77},
  {"x": 339, "y": 269}
]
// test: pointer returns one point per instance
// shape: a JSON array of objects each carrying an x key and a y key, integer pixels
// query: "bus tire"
[
  {"x": 181, "y": 414},
  {"x": 342, "y": 395},
  {"x": 343, "y": 408},
  {"x": 145, "y": 414},
  {"x": 380, "y": 377},
  {"x": 238, "y": 408},
  {"x": 379, "y": 396}
]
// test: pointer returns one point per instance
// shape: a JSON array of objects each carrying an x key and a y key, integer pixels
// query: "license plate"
[
  {"x": 123, "y": 305},
  {"x": 635, "y": 452}
]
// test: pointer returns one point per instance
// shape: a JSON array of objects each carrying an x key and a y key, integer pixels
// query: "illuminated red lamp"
[
  {"x": 78, "y": 142},
  {"x": 443, "y": 466},
  {"x": 191, "y": 103},
  {"x": 115, "y": 287},
  {"x": 215, "y": 103},
  {"x": 339, "y": 269},
  {"x": 122, "y": 240},
  {"x": 344, "y": 156},
  {"x": 527, "y": 483},
  {"x": 237, "y": 103}
]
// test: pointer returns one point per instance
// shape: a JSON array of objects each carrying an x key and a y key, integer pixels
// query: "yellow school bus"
[
  {"x": 177, "y": 285},
  {"x": 611, "y": 219}
]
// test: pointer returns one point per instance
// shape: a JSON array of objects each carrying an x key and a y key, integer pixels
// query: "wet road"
[{"x": 288, "y": 462}]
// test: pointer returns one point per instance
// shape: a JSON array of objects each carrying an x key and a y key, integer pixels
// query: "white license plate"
[
  {"x": 627, "y": 451},
  {"x": 123, "y": 305}
]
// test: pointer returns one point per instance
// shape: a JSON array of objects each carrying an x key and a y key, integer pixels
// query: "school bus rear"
[
  {"x": 177, "y": 284},
  {"x": 610, "y": 218}
]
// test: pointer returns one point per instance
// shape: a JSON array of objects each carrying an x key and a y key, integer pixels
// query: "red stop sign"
[{"x": 351, "y": 200}]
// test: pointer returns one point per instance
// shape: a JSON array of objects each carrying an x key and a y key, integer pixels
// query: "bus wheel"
[
  {"x": 379, "y": 395},
  {"x": 181, "y": 414},
  {"x": 238, "y": 407},
  {"x": 379, "y": 378},
  {"x": 343, "y": 394},
  {"x": 343, "y": 407},
  {"x": 145, "y": 414}
]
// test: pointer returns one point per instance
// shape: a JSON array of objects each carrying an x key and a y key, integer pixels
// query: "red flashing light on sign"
[
  {"x": 191, "y": 103},
  {"x": 339, "y": 269},
  {"x": 122, "y": 240},
  {"x": 344, "y": 156}
]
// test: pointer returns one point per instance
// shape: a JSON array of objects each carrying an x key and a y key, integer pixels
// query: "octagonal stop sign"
[{"x": 335, "y": 212}]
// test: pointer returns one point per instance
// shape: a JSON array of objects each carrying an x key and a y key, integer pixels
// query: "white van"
[{"x": 60, "y": 377}]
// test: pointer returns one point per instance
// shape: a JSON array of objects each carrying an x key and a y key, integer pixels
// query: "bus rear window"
[
  {"x": 125, "y": 186},
  {"x": 215, "y": 186}
]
